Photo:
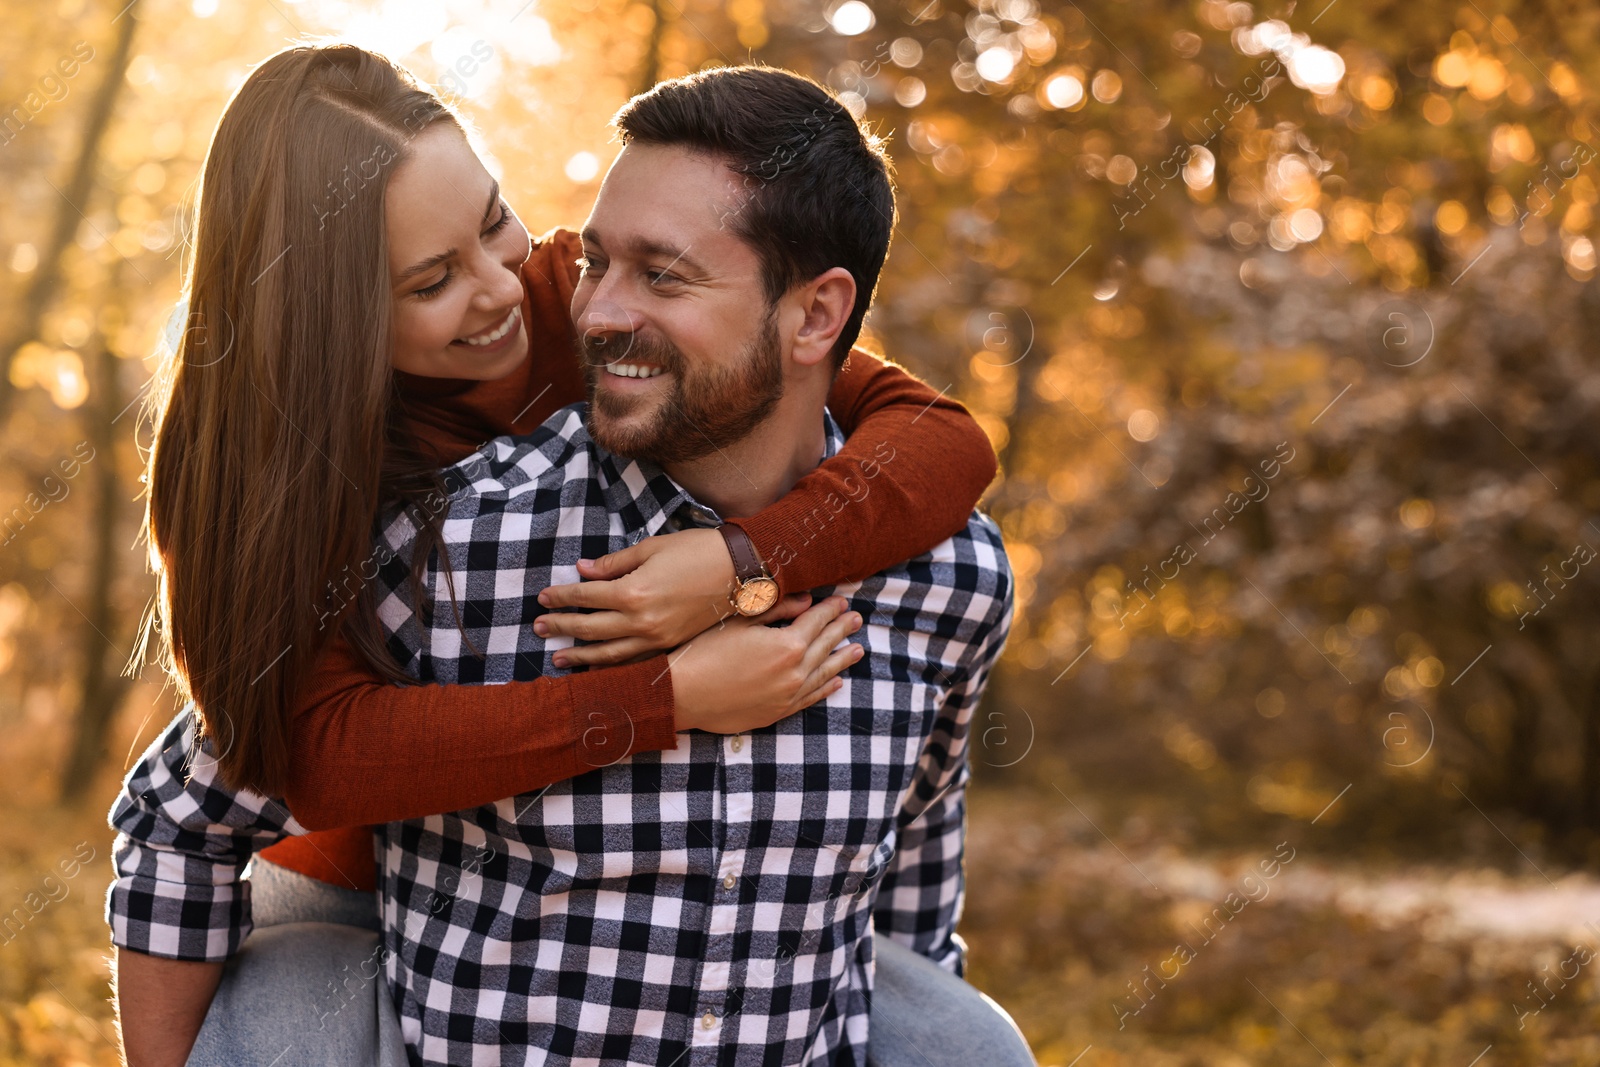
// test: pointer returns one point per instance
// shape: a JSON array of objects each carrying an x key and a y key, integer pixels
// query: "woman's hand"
[
  {"x": 653, "y": 595},
  {"x": 744, "y": 675}
]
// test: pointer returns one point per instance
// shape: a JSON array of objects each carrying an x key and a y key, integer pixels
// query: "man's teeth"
[
  {"x": 505, "y": 328},
  {"x": 634, "y": 370}
]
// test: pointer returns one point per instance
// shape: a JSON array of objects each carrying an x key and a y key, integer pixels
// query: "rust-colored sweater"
[{"x": 366, "y": 751}]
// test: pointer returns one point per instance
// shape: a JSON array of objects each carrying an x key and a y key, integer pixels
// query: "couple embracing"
[{"x": 581, "y": 637}]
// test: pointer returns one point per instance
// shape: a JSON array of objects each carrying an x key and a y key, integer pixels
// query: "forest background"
[{"x": 1282, "y": 319}]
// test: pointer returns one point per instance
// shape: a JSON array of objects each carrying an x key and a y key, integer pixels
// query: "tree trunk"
[
  {"x": 1517, "y": 777},
  {"x": 1589, "y": 801},
  {"x": 103, "y": 684},
  {"x": 650, "y": 70},
  {"x": 69, "y": 212}
]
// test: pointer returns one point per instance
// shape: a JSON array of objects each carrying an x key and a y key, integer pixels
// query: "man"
[{"x": 713, "y": 903}]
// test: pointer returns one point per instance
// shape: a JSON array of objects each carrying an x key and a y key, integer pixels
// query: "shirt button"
[
  {"x": 736, "y": 744},
  {"x": 729, "y": 881},
  {"x": 708, "y": 1020}
]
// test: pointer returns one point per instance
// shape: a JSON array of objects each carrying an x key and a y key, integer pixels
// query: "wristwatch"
[{"x": 757, "y": 591}]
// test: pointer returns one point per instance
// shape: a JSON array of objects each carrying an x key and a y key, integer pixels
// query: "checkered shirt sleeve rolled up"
[{"x": 182, "y": 844}]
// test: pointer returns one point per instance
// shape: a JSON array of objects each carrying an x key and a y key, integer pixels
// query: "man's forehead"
[{"x": 659, "y": 197}]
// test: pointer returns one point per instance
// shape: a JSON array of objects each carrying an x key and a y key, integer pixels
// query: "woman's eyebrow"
[{"x": 425, "y": 265}]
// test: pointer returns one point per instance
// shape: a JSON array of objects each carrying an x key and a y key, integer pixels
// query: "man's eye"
[
  {"x": 590, "y": 265},
  {"x": 661, "y": 277}
]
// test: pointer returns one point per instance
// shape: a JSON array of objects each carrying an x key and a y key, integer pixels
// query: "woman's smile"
[{"x": 498, "y": 336}]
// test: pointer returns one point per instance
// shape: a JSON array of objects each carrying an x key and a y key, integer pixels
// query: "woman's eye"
[
  {"x": 435, "y": 289},
  {"x": 503, "y": 221}
]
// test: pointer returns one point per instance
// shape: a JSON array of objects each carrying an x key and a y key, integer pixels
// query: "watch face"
[{"x": 756, "y": 596}]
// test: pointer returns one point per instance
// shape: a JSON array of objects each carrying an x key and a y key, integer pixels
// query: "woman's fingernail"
[
  {"x": 558, "y": 660},
  {"x": 540, "y": 628},
  {"x": 544, "y": 599}
]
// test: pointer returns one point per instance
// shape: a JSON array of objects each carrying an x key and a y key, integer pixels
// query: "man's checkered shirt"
[{"x": 712, "y": 904}]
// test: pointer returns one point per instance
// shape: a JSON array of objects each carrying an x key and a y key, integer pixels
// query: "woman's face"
[{"x": 455, "y": 252}]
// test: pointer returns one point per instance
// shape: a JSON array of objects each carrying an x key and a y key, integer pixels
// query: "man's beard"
[{"x": 707, "y": 408}]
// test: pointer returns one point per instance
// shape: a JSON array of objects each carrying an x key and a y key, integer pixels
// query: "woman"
[{"x": 309, "y": 396}]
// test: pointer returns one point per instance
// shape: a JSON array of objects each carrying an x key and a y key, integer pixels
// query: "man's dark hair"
[{"x": 819, "y": 189}]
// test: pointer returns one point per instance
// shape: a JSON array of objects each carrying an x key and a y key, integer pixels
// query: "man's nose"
[{"x": 604, "y": 318}]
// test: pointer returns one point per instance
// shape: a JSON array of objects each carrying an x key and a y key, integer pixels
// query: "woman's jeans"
[{"x": 307, "y": 990}]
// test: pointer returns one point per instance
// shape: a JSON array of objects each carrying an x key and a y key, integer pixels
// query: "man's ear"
[{"x": 824, "y": 305}]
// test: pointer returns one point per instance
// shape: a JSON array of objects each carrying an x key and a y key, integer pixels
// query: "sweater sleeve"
[
  {"x": 910, "y": 473},
  {"x": 367, "y": 751}
]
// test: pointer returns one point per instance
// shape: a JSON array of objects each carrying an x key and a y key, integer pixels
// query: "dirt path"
[{"x": 1450, "y": 903}]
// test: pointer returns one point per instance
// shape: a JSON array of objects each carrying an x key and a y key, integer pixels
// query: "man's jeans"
[{"x": 307, "y": 990}]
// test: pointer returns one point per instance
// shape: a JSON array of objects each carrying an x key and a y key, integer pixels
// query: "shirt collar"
[{"x": 646, "y": 497}]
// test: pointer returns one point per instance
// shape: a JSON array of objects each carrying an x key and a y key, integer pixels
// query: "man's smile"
[{"x": 635, "y": 370}]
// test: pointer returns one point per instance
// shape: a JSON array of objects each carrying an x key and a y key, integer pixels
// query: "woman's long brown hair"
[{"x": 278, "y": 435}]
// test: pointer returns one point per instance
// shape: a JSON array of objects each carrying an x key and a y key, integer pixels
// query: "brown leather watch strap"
[{"x": 746, "y": 560}]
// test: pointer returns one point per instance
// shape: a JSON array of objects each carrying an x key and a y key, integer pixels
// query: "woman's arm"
[
  {"x": 366, "y": 751},
  {"x": 908, "y": 476},
  {"x": 913, "y": 467}
]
